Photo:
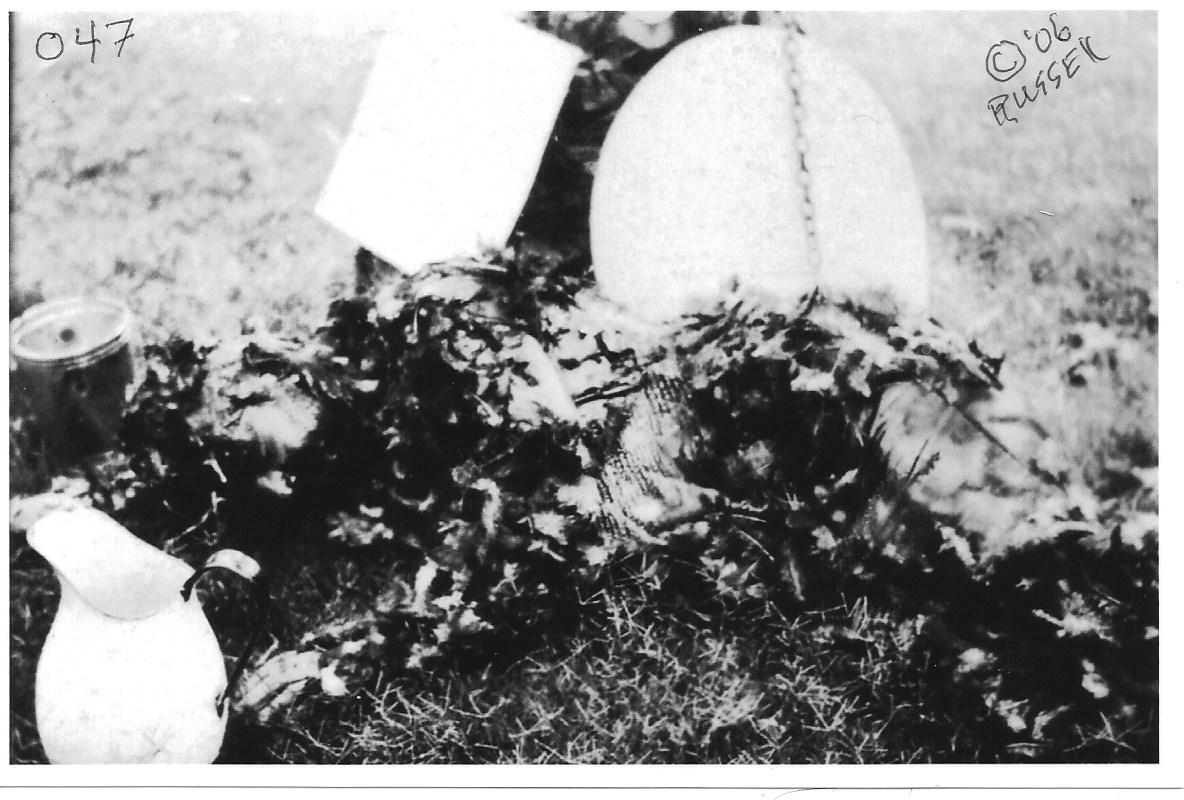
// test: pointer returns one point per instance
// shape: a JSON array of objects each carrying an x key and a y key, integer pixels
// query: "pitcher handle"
[{"x": 245, "y": 567}]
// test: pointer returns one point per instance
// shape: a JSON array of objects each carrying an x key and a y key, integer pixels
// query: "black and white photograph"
[{"x": 468, "y": 387}]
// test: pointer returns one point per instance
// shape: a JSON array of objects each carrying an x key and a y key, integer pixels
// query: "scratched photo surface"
[{"x": 511, "y": 507}]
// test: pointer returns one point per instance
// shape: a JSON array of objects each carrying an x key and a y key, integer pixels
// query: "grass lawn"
[{"x": 181, "y": 177}]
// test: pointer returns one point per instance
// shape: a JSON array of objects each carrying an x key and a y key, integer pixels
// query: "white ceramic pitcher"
[{"x": 131, "y": 671}]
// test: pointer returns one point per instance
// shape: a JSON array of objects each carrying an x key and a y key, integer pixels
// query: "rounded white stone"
[{"x": 698, "y": 184}]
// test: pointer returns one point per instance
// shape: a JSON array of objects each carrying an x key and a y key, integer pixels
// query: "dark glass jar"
[{"x": 75, "y": 367}]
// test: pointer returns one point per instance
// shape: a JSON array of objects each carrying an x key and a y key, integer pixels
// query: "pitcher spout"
[{"x": 106, "y": 565}]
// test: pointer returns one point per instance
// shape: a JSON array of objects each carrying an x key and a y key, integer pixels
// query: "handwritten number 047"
[{"x": 45, "y": 42}]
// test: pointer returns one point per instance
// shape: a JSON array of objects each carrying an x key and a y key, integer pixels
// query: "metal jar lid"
[{"x": 69, "y": 333}]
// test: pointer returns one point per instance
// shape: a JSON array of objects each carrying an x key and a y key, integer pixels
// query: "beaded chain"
[{"x": 791, "y": 47}]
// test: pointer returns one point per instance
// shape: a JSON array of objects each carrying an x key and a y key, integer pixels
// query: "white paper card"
[{"x": 448, "y": 137}]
